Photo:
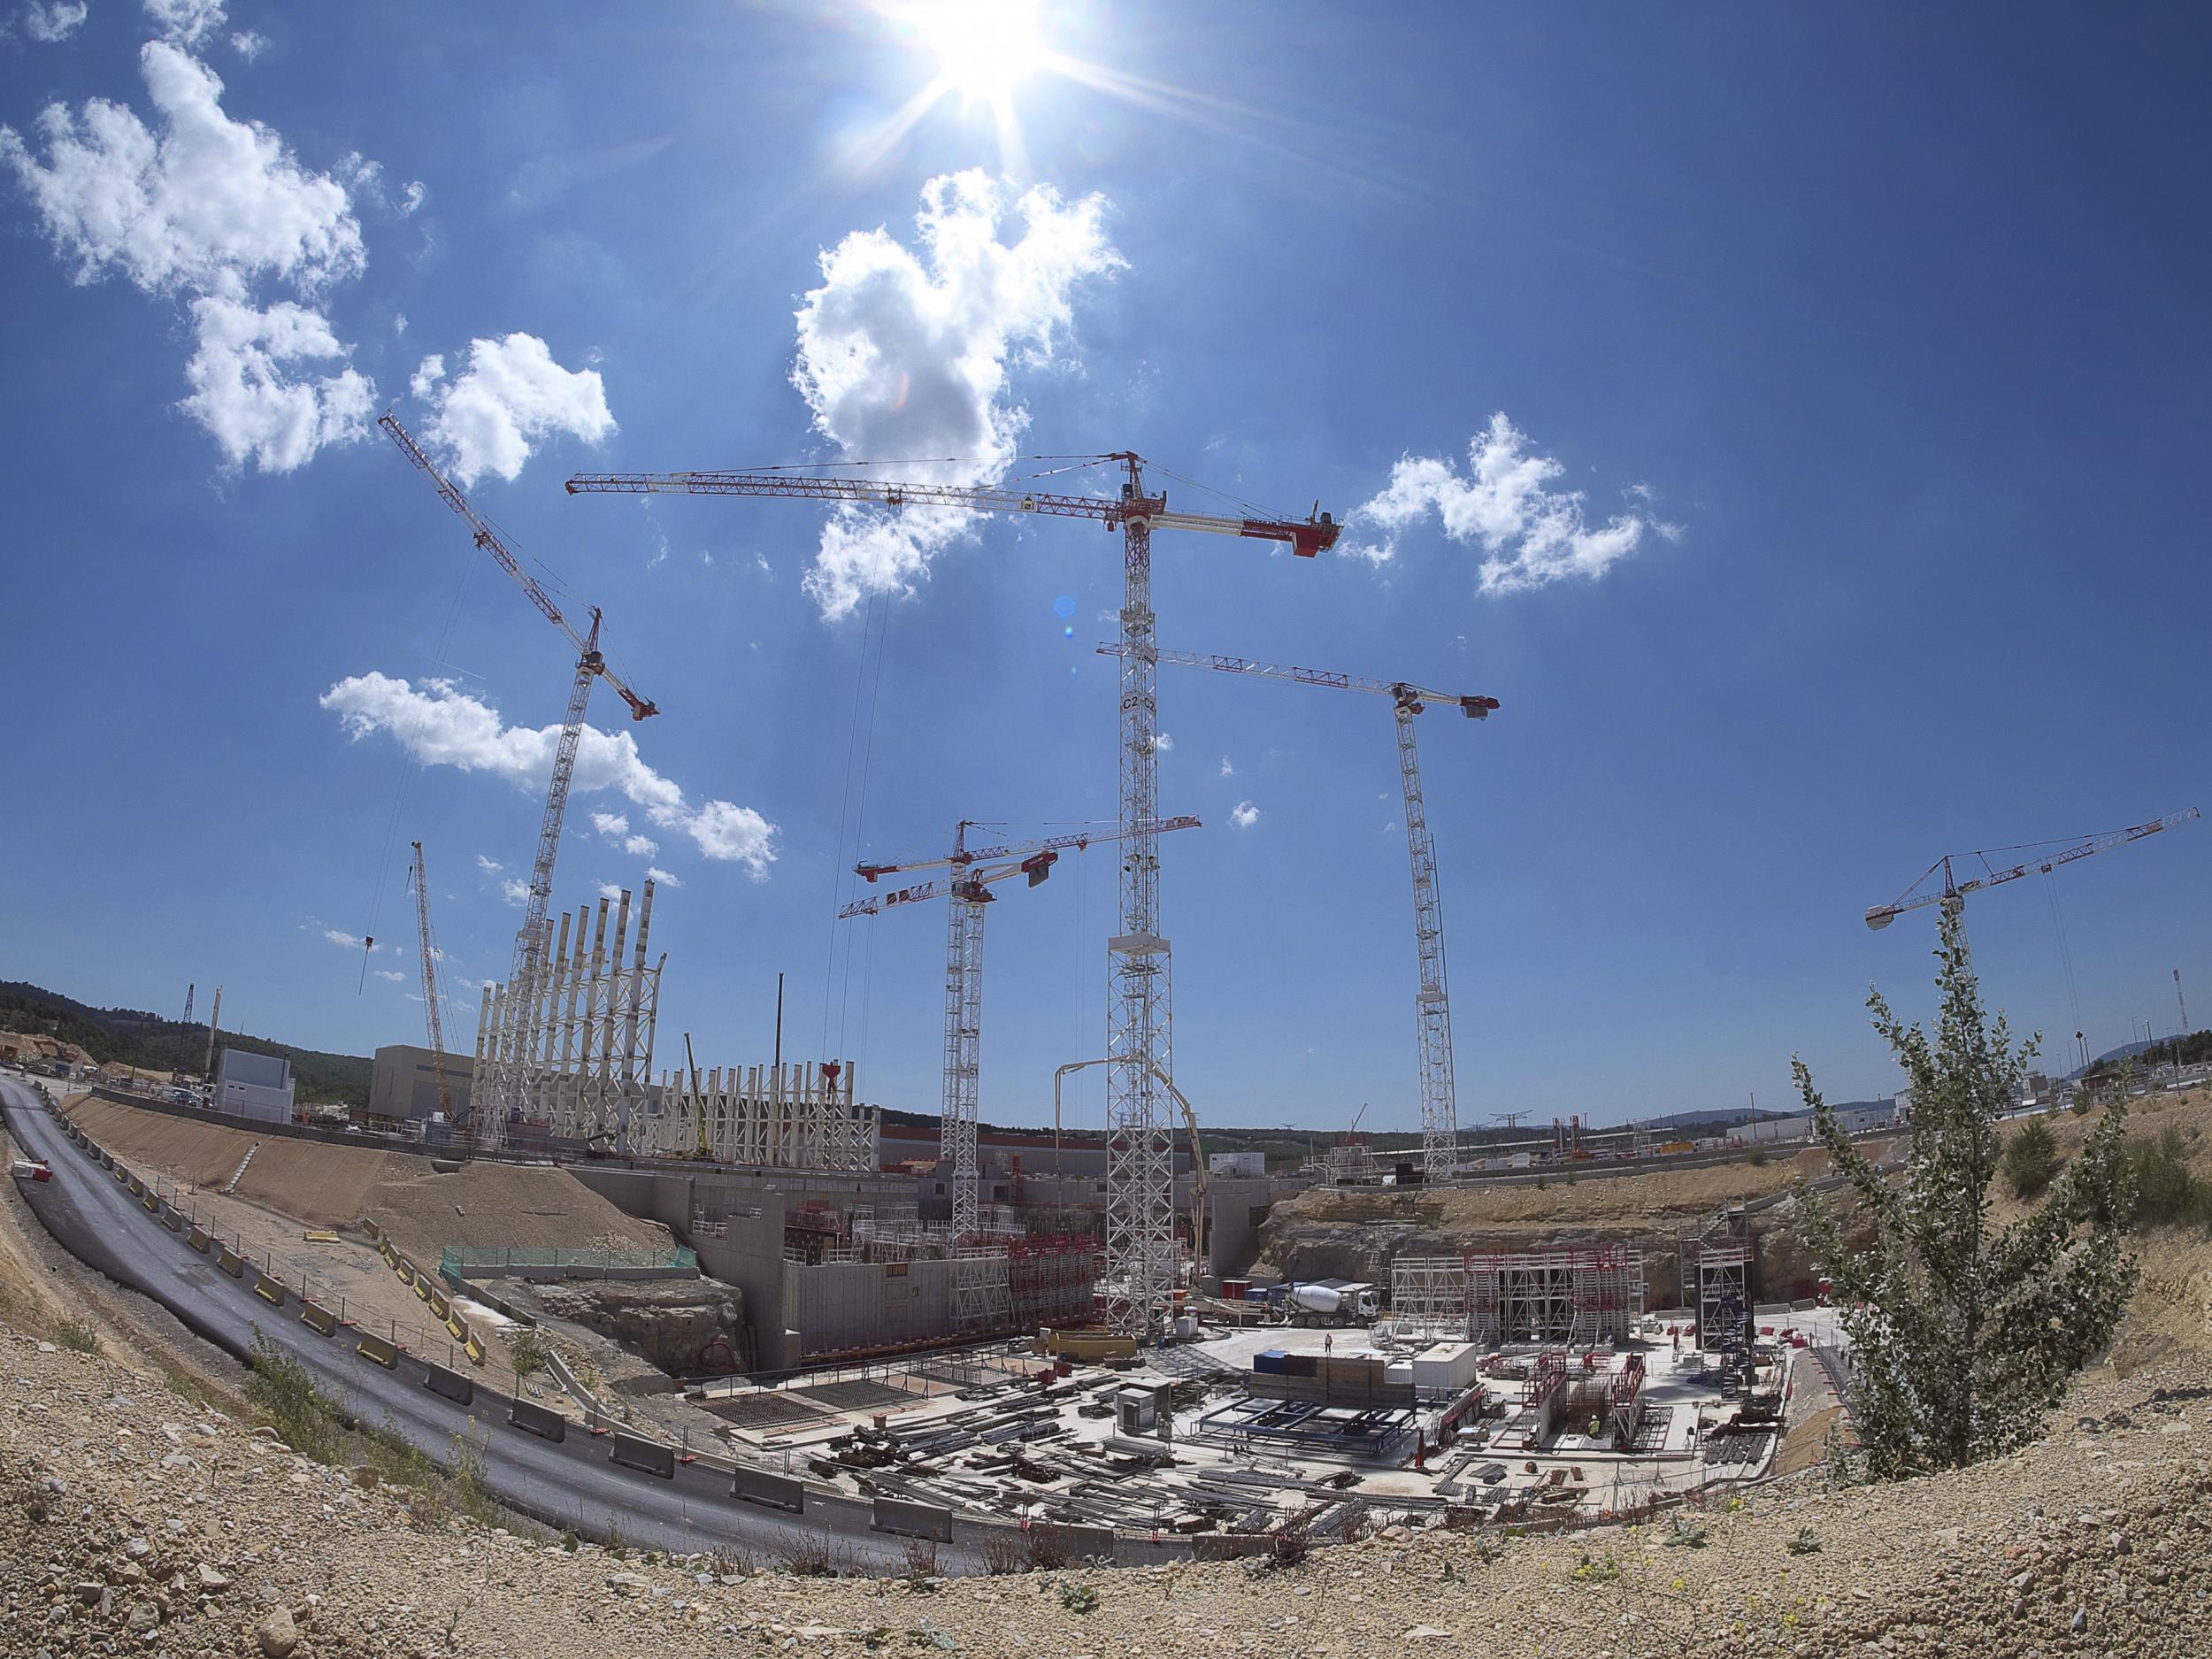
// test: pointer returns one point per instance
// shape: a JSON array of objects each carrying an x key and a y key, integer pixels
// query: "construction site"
[{"x": 1107, "y": 1331}]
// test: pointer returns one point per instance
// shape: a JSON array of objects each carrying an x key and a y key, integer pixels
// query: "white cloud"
[
  {"x": 207, "y": 206},
  {"x": 412, "y": 195},
  {"x": 1227, "y": 771},
  {"x": 242, "y": 392},
  {"x": 609, "y": 890},
  {"x": 1245, "y": 815},
  {"x": 903, "y": 356},
  {"x": 760, "y": 562},
  {"x": 439, "y": 724},
  {"x": 489, "y": 867},
  {"x": 349, "y": 941},
  {"x": 55, "y": 22},
  {"x": 515, "y": 890},
  {"x": 611, "y": 825},
  {"x": 387, "y": 973},
  {"x": 661, "y": 877},
  {"x": 186, "y": 22},
  {"x": 1529, "y": 533},
  {"x": 1162, "y": 741},
  {"x": 510, "y": 395},
  {"x": 399, "y": 322},
  {"x": 640, "y": 846},
  {"x": 249, "y": 45}
]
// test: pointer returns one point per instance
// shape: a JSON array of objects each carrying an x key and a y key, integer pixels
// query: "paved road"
[{"x": 567, "y": 1484}]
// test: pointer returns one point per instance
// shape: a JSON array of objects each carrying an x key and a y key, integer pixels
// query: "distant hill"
[{"x": 136, "y": 1037}]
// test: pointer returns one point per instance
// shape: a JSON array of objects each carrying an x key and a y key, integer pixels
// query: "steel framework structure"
[
  {"x": 1140, "y": 1202},
  {"x": 1431, "y": 996},
  {"x": 1428, "y": 1297},
  {"x": 809, "y": 1119},
  {"x": 1579, "y": 1294}
]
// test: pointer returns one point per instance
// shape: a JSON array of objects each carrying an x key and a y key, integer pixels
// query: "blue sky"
[{"x": 1852, "y": 373}]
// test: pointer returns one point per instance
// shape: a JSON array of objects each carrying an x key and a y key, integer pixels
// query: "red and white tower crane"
[
  {"x": 1431, "y": 996},
  {"x": 1950, "y": 892},
  {"x": 973, "y": 870},
  {"x": 1140, "y": 1269},
  {"x": 504, "y": 1047},
  {"x": 432, "y": 1015}
]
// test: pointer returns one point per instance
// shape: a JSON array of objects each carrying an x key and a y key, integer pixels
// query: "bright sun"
[{"x": 984, "y": 48}]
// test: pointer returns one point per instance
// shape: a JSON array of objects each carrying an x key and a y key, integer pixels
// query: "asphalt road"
[{"x": 566, "y": 1484}]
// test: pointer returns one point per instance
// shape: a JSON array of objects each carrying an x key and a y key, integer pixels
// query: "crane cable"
[{"x": 2065, "y": 956}]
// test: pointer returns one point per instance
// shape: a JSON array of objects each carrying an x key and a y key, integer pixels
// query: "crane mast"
[
  {"x": 432, "y": 1015},
  {"x": 1431, "y": 996},
  {"x": 506, "y": 1048},
  {"x": 1140, "y": 1270},
  {"x": 974, "y": 871}
]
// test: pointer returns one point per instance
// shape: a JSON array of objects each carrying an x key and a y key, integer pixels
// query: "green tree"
[
  {"x": 2030, "y": 1159},
  {"x": 1963, "y": 1338}
]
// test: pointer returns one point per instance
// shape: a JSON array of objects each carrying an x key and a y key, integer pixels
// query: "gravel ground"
[{"x": 133, "y": 1520}]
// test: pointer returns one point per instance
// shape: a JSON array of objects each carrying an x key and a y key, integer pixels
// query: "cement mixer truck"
[{"x": 1332, "y": 1301}]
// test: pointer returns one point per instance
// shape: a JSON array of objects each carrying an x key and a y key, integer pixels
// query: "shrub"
[
  {"x": 2166, "y": 1194},
  {"x": 1288, "y": 1545},
  {"x": 1077, "y": 1598},
  {"x": 2030, "y": 1159},
  {"x": 282, "y": 1395},
  {"x": 1964, "y": 1334},
  {"x": 1758, "y": 1158},
  {"x": 1804, "y": 1544},
  {"x": 78, "y": 1336},
  {"x": 529, "y": 1353}
]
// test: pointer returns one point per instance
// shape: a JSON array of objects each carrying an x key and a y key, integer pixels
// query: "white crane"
[
  {"x": 1140, "y": 1274},
  {"x": 491, "y": 1097},
  {"x": 974, "y": 871},
  {"x": 1431, "y": 996}
]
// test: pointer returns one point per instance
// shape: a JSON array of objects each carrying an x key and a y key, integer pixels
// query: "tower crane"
[
  {"x": 432, "y": 1015},
  {"x": 1431, "y": 996},
  {"x": 971, "y": 872},
  {"x": 504, "y": 1047},
  {"x": 1140, "y": 1186},
  {"x": 1951, "y": 893}
]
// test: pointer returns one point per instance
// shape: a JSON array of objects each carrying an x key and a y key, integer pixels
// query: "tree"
[
  {"x": 2030, "y": 1159},
  {"x": 1963, "y": 1340}
]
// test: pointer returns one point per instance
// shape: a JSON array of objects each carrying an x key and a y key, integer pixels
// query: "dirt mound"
[
  {"x": 495, "y": 1204},
  {"x": 309, "y": 1180},
  {"x": 324, "y": 1186}
]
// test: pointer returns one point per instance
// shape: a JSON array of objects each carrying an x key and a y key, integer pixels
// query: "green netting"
[{"x": 456, "y": 1261}]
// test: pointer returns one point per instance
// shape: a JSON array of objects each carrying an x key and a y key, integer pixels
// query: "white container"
[{"x": 1448, "y": 1367}]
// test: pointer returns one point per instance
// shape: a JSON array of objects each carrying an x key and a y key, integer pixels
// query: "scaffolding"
[
  {"x": 1428, "y": 1298},
  {"x": 1581, "y": 1294},
  {"x": 981, "y": 1301},
  {"x": 799, "y": 1117},
  {"x": 570, "y": 1048},
  {"x": 1721, "y": 1295},
  {"x": 1051, "y": 1280}
]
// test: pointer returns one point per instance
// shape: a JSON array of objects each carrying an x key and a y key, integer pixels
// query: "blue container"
[
  {"x": 1270, "y": 1361},
  {"x": 1255, "y": 1292}
]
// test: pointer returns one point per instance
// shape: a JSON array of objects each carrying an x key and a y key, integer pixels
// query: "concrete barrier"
[
  {"x": 912, "y": 1520},
  {"x": 377, "y": 1351},
  {"x": 773, "y": 1492},
  {"x": 450, "y": 1384},
  {"x": 232, "y": 1263},
  {"x": 547, "y": 1426},
  {"x": 1074, "y": 1542},
  {"x": 268, "y": 1290},
  {"x": 319, "y": 1320},
  {"x": 650, "y": 1456},
  {"x": 438, "y": 1303},
  {"x": 474, "y": 1348},
  {"x": 459, "y": 1331},
  {"x": 107, "y": 1160},
  {"x": 152, "y": 1202},
  {"x": 172, "y": 1219},
  {"x": 199, "y": 1241},
  {"x": 134, "y": 1183}
]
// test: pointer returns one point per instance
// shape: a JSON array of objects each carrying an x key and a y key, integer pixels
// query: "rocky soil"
[{"x": 136, "y": 1521}]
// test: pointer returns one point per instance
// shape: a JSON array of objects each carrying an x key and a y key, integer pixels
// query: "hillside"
[{"x": 135, "y": 1037}]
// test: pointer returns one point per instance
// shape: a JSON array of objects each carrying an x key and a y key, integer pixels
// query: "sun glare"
[{"x": 984, "y": 48}]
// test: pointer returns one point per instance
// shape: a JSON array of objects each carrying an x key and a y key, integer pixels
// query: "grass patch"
[
  {"x": 78, "y": 1336},
  {"x": 529, "y": 1353},
  {"x": 281, "y": 1395}
]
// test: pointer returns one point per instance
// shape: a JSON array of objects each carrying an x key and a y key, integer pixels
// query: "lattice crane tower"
[
  {"x": 1139, "y": 1272},
  {"x": 1431, "y": 996},
  {"x": 504, "y": 1048},
  {"x": 432, "y": 1016}
]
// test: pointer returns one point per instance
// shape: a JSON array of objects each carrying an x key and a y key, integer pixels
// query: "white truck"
[{"x": 1332, "y": 1301}]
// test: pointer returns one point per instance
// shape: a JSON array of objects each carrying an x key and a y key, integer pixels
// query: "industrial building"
[
  {"x": 252, "y": 1085},
  {"x": 404, "y": 1086}
]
